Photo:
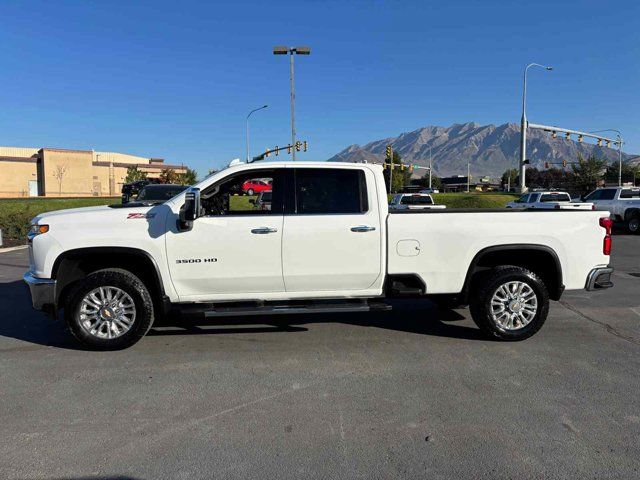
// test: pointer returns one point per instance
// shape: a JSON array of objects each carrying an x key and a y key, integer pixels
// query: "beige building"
[{"x": 56, "y": 172}]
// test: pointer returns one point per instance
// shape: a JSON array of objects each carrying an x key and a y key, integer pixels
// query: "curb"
[{"x": 12, "y": 249}]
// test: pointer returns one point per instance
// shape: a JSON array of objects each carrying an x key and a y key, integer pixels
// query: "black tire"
[
  {"x": 250, "y": 192},
  {"x": 123, "y": 280},
  {"x": 633, "y": 224},
  {"x": 483, "y": 290}
]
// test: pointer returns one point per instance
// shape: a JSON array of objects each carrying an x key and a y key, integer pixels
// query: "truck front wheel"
[
  {"x": 509, "y": 303},
  {"x": 110, "y": 309}
]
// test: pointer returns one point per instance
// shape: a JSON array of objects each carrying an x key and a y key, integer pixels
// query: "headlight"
[{"x": 37, "y": 230}]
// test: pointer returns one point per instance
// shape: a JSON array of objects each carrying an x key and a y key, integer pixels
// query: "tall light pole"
[
  {"x": 468, "y": 175},
  {"x": 247, "y": 130},
  {"x": 430, "y": 167},
  {"x": 619, "y": 152},
  {"x": 291, "y": 51},
  {"x": 523, "y": 125}
]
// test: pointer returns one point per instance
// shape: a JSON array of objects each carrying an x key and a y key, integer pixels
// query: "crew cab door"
[
  {"x": 332, "y": 237},
  {"x": 235, "y": 247}
]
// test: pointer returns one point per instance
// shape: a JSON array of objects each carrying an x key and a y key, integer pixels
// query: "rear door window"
[
  {"x": 630, "y": 193},
  {"x": 330, "y": 191},
  {"x": 416, "y": 200}
]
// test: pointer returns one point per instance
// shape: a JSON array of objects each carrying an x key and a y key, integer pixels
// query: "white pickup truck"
[
  {"x": 548, "y": 201},
  {"x": 413, "y": 201},
  {"x": 328, "y": 244},
  {"x": 623, "y": 203}
]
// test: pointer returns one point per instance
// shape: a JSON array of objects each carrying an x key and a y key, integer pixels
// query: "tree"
[
  {"x": 629, "y": 172},
  {"x": 168, "y": 175},
  {"x": 401, "y": 177},
  {"x": 58, "y": 173},
  {"x": 188, "y": 178},
  {"x": 510, "y": 177},
  {"x": 133, "y": 174},
  {"x": 587, "y": 174}
]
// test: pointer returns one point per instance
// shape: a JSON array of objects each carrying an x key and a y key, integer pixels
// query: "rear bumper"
[
  {"x": 599, "y": 279},
  {"x": 43, "y": 291}
]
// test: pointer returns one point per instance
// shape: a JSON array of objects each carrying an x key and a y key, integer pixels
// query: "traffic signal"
[
  {"x": 277, "y": 151},
  {"x": 554, "y": 134},
  {"x": 267, "y": 153},
  {"x": 411, "y": 169},
  {"x": 568, "y": 135},
  {"x": 298, "y": 145},
  {"x": 564, "y": 164},
  {"x": 389, "y": 152},
  {"x": 304, "y": 146},
  {"x": 599, "y": 142},
  {"x": 289, "y": 149},
  {"x": 580, "y": 138}
]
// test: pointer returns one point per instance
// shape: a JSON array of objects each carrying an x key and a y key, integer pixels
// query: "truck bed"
[{"x": 457, "y": 236}]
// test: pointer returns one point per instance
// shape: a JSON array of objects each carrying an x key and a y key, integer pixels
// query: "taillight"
[
  {"x": 593, "y": 206},
  {"x": 607, "y": 224}
]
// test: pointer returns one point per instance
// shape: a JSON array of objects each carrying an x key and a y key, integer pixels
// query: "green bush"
[{"x": 15, "y": 214}]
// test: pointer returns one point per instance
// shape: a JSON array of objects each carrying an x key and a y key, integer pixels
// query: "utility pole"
[
  {"x": 468, "y": 175},
  {"x": 291, "y": 51},
  {"x": 523, "y": 126},
  {"x": 247, "y": 127},
  {"x": 430, "y": 167}
]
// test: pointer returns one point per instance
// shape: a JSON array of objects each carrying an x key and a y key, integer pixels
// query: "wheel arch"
[
  {"x": 540, "y": 259},
  {"x": 73, "y": 265}
]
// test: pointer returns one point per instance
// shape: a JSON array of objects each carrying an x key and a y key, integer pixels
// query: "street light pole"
[
  {"x": 247, "y": 128},
  {"x": 430, "y": 167},
  {"x": 291, "y": 51},
  {"x": 619, "y": 151},
  {"x": 468, "y": 175},
  {"x": 523, "y": 125}
]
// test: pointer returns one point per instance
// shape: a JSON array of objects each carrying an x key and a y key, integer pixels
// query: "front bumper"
[
  {"x": 599, "y": 279},
  {"x": 43, "y": 291}
]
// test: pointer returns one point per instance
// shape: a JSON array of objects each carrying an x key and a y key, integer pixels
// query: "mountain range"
[{"x": 489, "y": 149}]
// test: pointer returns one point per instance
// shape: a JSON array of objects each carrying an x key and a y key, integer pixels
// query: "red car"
[{"x": 251, "y": 187}]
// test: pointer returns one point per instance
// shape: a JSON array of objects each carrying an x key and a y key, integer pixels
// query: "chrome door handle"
[
  {"x": 363, "y": 228},
  {"x": 263, "y": 230}
]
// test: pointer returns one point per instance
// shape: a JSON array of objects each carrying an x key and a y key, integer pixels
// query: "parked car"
[
  {"x": 430, "y": 190},
  {"x": 328, "y": 244},
  {"x": 414, "y": 201},
  {"x": 548, "y": 200},
  {"x": 263, "y": 202},
  {"x": 251, "y": 187},
  {"x": 160, "y": 193},
  {"x": 622, "y": 202},
  {"x": 131, "y": 190}
]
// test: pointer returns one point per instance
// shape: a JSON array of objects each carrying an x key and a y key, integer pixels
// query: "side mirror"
[{"x": 190, "y": 210}]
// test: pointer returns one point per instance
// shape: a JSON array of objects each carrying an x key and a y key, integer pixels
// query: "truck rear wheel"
[
  {"x": 633, "y": 224},
  {"x": 110, "y": 309},
  {"x": 509, "y": 303}
]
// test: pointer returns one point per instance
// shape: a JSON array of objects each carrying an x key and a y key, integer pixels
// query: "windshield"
[
  {"x": 159, "y": 193},
  {"x": 417, "y": 200}
]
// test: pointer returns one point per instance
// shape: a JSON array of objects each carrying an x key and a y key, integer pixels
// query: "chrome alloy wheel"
[
  {"x": 107, "y": 312},
  {"x": 513, "y": 305}
]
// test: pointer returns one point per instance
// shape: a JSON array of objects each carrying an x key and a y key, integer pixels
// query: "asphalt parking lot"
[{"x": 412, "y": 393}]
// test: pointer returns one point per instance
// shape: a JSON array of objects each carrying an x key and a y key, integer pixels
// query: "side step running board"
[{"x": 275, "y": 309}]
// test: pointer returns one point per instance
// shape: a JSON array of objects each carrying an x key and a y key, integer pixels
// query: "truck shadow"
[
  {"x": 18, "y": 320},
  {"x": 411, "y": 316}
]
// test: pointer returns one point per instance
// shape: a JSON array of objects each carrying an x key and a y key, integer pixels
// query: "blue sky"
[{"x": 176, "y": 79}]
